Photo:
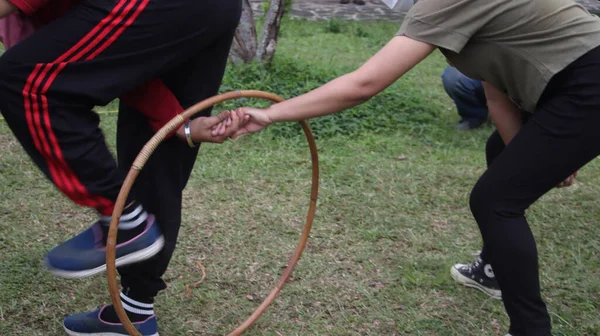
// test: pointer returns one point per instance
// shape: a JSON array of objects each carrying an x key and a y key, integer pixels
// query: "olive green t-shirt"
[{"x": 514, "y": 45}]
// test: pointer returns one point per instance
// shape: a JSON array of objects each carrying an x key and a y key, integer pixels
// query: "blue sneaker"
[
  {"x": 91, "y": 324},
  {"x": 85, "y": 255}
]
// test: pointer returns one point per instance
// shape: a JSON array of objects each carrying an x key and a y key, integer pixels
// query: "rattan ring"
[{"x": 139, "y": 163}]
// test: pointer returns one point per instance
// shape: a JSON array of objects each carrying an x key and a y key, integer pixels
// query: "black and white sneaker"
[{"x": 477, "y": 275}]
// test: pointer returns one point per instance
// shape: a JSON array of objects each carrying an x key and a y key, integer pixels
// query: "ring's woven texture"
[{"x": 139, "y": 163}]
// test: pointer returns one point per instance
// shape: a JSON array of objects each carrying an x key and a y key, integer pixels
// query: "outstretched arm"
[{"x": 395, "y": 59}]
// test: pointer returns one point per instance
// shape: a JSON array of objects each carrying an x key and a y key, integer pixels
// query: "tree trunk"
[
  {"x": 244, "y": 43},
  {"x": 270, "y": 36},
  {"x": 245, "y": 47}
]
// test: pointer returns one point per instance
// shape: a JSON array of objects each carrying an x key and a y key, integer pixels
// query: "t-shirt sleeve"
[
  {"x": 448, "y": 24},
  {"x": 28, "y": 6}
]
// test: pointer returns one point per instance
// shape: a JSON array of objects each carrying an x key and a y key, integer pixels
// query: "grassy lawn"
[{"x": 392, "y": 218}]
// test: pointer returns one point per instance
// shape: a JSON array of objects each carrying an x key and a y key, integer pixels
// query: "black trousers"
[
  {"x": 161, "y": 56},
  {"x": 493, "y": 148},
  {"x": 558, "y": 139}
]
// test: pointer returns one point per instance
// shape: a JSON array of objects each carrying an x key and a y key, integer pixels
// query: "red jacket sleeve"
[
  {"x": 28, "y": 6},
  {"x": 155, "y": 101}
]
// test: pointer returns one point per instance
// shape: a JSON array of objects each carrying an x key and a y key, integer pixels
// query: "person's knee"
[
  {"x": 490, "y": 203},
  {"x": 480, "y": 201},
  {"x": 450, "y": 80}
]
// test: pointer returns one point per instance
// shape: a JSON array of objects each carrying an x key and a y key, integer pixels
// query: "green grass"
[{"x": 386, "y": 232}]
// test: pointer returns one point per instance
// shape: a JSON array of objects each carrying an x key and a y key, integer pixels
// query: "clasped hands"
[{"x": 228, "y": 124}]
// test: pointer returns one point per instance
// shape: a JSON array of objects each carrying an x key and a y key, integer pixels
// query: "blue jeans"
[{"x": 468, "y": 95}]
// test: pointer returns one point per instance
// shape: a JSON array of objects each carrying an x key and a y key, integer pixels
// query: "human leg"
[
  {"x": 99, "y": 50},
  {"x": 173, "y": 160},
  {"x": 187, "y": 83},
  {"x": 480, "y": 274},
  {"x": 558, "y": 139},
  {"x": 468, "y": 96}
]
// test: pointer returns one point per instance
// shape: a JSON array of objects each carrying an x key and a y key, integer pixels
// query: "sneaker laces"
[
  {"x": 476, "y": 261},
  {"x": 476, "y": 264}
]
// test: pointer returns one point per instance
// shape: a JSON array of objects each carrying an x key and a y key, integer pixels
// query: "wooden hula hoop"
[{"x": 140, "y": 161}]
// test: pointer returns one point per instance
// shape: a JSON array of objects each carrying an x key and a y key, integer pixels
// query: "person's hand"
[
  {"x": 228, "y": 127},
  {"x": 569, "y": 181},
  {"x": 253, "y": 120},
  {"x": 201, "y": 128}
]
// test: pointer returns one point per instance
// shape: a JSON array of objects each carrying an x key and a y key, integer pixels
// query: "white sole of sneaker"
[
  {"x": 463, "y": 280},
  {"x": 72, "y": 333},
  {"x": 131, "y": 258}
]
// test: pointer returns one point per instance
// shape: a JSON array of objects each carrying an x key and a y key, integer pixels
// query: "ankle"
[
  {"x": 137, "y": 310},
  {"x": 131, "y": 223}
]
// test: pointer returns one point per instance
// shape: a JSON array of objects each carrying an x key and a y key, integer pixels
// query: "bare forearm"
[
  {"x": 390, "y": 63},
  {"x": 337, "y": 95},
  {"x": 6, "y": 8}
]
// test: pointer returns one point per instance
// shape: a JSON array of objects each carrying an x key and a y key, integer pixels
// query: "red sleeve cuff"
[{"x": 28, "y": 6}]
